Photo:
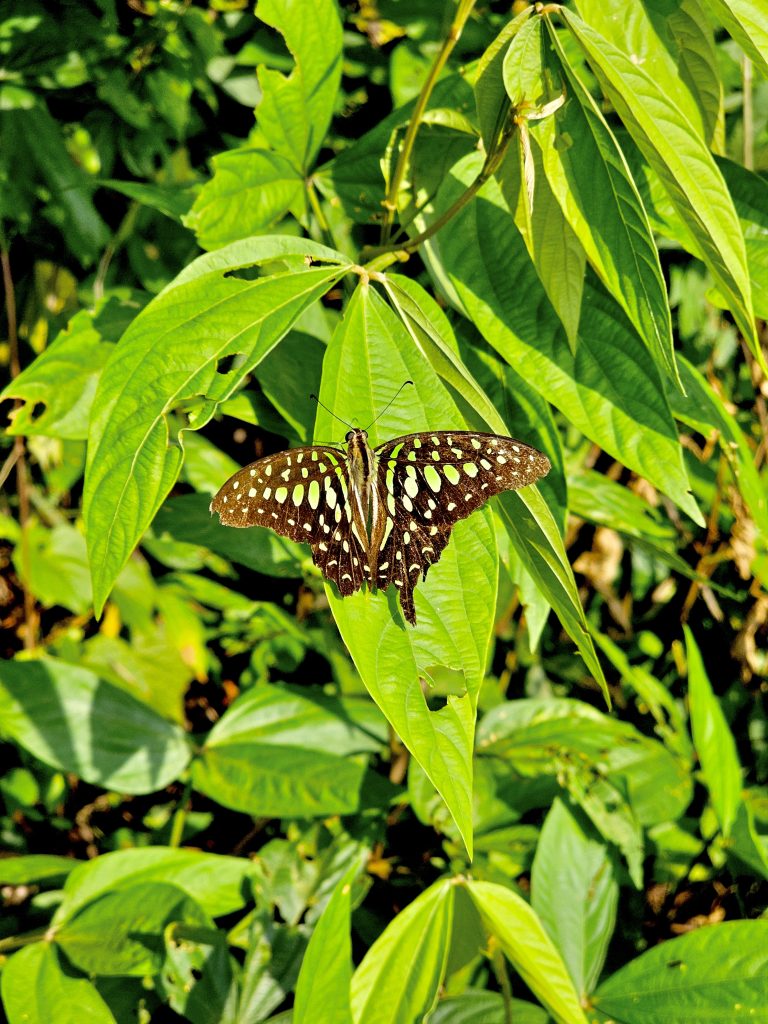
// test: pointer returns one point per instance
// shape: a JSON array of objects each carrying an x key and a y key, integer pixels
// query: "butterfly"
[{"x": 380, "y": 516}]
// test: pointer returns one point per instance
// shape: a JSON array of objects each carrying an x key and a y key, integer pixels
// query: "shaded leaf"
[
  {"x": 713, "y": 740},
  {"x": 35, "y": 984},
  {"x": 72, "y": 720}
]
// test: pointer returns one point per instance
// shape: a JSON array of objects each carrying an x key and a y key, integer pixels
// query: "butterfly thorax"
[{"x": 364, "y": 501}]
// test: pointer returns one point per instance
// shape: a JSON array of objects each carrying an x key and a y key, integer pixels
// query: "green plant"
[{"x": 220, "y": 772}]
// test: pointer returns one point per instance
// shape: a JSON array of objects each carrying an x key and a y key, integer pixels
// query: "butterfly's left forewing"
[
  {"x": 428, "y": 482},
  {"x": 301, "y": 494}
]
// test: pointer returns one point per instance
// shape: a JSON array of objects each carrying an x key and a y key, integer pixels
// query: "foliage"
[{"x": 232, "y": 796}]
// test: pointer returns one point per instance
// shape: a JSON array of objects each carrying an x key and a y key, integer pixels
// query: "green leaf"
[
  {"x": 523, "y": 940},
  {"x": 748, "y": 845},
  {"x": 173, "y": 201},
  {"x": 58, "y": 387},
  {"x": 746, "y": 21},
  {"x": 590, "y": 178},
  {"x": 35, "y": 985},
  {"x": 217, "y": 882},
  {"x": 407, "y": 961},
  {"x": 575, "y": 893},
  {"x": 250, "y": 190},
  {"x": 34, "y": 867},
  {"x": 56, "y": 567},
  {"x": 268, "y": 755},
  {"x": 369, "y": 357},
  {"x": 323, "y": 988},
  {"x": 713, "y": 740},
  {"x": 537, "y": 736},
  {"x": 609, "y": 389},
  {"x": 196, "y": 975},
  {"x": 207, "y": 316},
  {"x": 72, "y": 720},
  {"x": 675, "y": 46},
  {"x": 39, "y": 145},
  {"x": 477, "y": 1006},
  {"x": 188, "y": 519},
  {"x": 537, "y": 540},
  {"x": 716, "y": 973},
  {"x": 703, "y": 410},
  {"x": 295, "y": 112},
  {"x": 684, "y": 164},
  {"x": 121, "y": 933},
  {"x": 491, "y": 96}
]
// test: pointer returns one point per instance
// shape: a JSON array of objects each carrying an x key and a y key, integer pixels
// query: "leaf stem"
[
  {"x": 19, "y": 454},
  {"x": 180, "y": 817},
  {"x": 450, "y": 41},
  {"x": 13, "y": 942},
  {"x": 502, "y": 976}
]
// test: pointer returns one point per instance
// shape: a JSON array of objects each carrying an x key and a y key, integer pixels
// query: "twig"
[
  {"x": 19, "y": 456},
  {"x": 454, "y": 34}
]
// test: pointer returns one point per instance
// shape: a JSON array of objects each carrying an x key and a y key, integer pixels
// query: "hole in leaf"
[
  {"x": 36, "y": 411},
  {"x": 227, "y": 363}
]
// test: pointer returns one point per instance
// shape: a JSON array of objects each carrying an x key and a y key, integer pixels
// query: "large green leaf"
[
  {"x": 704, "y": 410},
  {"x": 523, "y": 940},
  {"x": 609, "y": 389},
  {"x": 58, "y": 387},
  {"x": 35, "y": 986},
  {"x": 369, "y": 357},
  {"x": 249, "y": 191},
  {"x": 217, "y": 882},
  {"x": 295, "y": 112},
  {"x": 73, "y": 720},
  {"x": 713, "y": 740},
  {"x": 715, "y": 974},
  {"x": 277, "y": 753},
  {"x": 175, "y": 355},
  {"x": 526, "y": 516},
  {"x": 591, "y": 180},
  {"x": 575, "y": 893},
  {"x": 684, "y": 164},
  {"x": 747, "y": 22},
  {"x": 407, "y": 962},
  {"x": 675, "y": 45},
  {"x": 121, "y": 933},
  {"x": 323, "y": 988}
]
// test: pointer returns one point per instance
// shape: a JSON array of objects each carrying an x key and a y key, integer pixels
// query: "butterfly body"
[{"x": 379, "y": 515}]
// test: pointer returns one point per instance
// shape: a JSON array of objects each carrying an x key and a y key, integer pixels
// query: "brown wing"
[
  {"x": 301, "y": 494},
  {"x": 428, "y": 482}
]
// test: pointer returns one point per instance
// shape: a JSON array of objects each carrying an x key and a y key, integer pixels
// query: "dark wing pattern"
[
  {"x": 301, "y": 494},
  {"x": 428, "y": 482}
]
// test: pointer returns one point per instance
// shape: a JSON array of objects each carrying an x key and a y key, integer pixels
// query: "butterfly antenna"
[
  {"x": 322, "y": 406},
  {"x": 391, "y": 401}
]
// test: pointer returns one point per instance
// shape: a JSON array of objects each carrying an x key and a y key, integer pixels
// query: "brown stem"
[
  {"x": 19, "y": 455},
  {"x": 454, "y": 34}
]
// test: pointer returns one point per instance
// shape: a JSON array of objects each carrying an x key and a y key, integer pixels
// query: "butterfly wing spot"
[
  {"x": 281, "y": 495},
  {"x": 225, "y": 498},
  {"x": 451, "y": 474},
  {"x": 485, "y": 464},
  {"x": 313, "y": 495},
  {"x": 236, "y": 484},
  {"x": 406, "y": 538},
  {"x": 436, "y": 456},
  {"x": 267, "y": 471},
  {"x": 449, "y": 508},
  {"x": 298, "y": 495},
  {"x": 501, "y": 460},
  {"x": 308, "y": 527},
  {"x": 266, "y": 494},
  {"x": 407, "y": 503},
  {"x": 299, "y": 457},
  {"x": 432, "y": 477},
  {"x": 410, "y": 485},
  {"x": 291, "y": 522},
  {"x": 252, "y": 492}
]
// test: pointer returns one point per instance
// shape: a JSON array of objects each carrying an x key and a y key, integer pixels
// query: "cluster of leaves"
[{"x": 188, "y": 695}]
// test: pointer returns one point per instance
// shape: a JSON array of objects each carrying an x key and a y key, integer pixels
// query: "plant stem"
[
  {"x": 180, "y": 817},
  {"x": 500, "y": 970},
  {"x": 454, "y": 34},
  {"x": 13, "y": 942},
  {"x": 748, "y": 123},
  {"x": 19, "y": 455},
  {"x": 492, "y": 162}
]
